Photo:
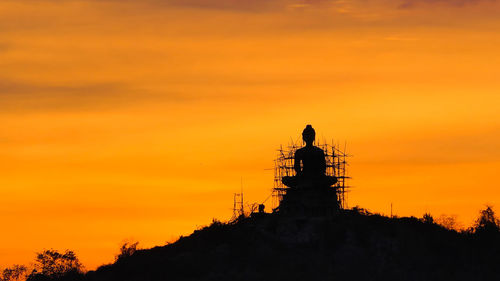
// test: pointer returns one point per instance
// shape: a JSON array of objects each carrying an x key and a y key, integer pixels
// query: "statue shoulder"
[
  {"x": 299, "y": 151},
  {"x": 318, "y": 150}
]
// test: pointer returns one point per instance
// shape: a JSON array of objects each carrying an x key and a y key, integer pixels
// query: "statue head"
[{"x": 308, "y": 135}]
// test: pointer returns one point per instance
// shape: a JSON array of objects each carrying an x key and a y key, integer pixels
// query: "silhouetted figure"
[
  {"x": 309, "y": 164},
  {"x": 262, "y": 208}
]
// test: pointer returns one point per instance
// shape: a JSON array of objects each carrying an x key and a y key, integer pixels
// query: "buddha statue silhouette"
[{"x": 309, "y": 165}]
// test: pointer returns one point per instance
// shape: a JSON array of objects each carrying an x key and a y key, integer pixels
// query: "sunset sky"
[{"x": 137, "y": 119}]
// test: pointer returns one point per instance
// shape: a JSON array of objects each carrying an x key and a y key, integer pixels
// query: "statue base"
[{"x": 311, "y": 200}]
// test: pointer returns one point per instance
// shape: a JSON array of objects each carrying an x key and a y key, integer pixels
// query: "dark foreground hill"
[{"x": 348, "y": 246}]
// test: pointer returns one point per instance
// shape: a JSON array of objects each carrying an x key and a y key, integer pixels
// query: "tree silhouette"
[
  {"x": 448, "y": 222},
  {"x": 487, "y": 222},
  {"x": 50, "y": 265},
  {"x": 16, "y": 272}
]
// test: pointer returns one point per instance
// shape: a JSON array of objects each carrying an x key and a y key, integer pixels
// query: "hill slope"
[{"x": 349, "y": 245}]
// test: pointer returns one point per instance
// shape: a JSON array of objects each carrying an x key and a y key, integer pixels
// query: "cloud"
[
  {"x": 8, "y": 88},
  {"x": 25, "y": 96},
  {"x": 407, "y": 4},
  {"x": 238, "y": 5},
  {"x": 263, "y": 5},
  {"x": 400, "y": 38},
  {"x": 249, "y": 5},
  {"x": 473, "y": 146}
]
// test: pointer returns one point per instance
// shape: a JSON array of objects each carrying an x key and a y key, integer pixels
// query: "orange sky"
[{"x": 137, "y": 119}]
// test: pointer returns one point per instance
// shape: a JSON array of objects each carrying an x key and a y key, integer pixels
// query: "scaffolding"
[
  {"x": 336, "y": 165},
  {"x": 238, "y": 208}
]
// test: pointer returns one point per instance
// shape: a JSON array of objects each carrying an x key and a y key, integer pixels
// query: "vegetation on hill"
[{"x": 354, "y": 245}]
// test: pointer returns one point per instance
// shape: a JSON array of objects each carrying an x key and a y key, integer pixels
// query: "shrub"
[
  {"x": 427, "y": 218},
  {"x": 127, "y": 249}
]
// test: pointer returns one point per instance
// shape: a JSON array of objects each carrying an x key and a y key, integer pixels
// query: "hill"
[{"x": 351, "y": 245}]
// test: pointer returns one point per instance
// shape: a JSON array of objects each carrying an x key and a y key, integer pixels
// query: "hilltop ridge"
[{"x": 352, "y": 244}]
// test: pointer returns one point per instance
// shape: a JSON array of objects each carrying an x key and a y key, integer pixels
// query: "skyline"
[{"x": 138, "y": 119}]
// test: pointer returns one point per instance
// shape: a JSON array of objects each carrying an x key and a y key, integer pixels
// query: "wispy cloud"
[
  {"x": 237, "y": 5},
  {"x": 260, "y": 5},
  {"x": 457, "y": 3},
  {"x": 27, "y": 96},
  {"x": 400, "y": 38}
]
